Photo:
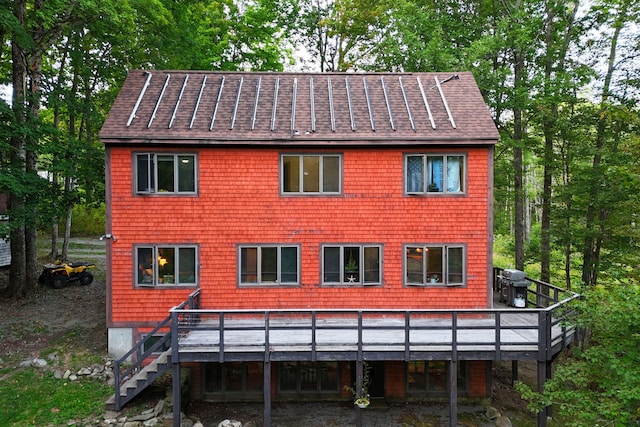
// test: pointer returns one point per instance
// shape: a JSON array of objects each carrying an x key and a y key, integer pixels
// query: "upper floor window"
[
  {"x": 352, "y": 264},
  {"x": 427, "y": 173},
  {"x": 311, "y": 174},
  {"x": 269, "y": 264},
  {"x": 166, "y": 265},
  {"x": 165, "y": 173},
  {"x": 434, "y": 265}
]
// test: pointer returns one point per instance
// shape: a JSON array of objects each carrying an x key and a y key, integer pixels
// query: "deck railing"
[{"x": 536, "y": 332}]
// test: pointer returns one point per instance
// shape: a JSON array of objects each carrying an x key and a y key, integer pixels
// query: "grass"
[{"x": 33, "y": 397}]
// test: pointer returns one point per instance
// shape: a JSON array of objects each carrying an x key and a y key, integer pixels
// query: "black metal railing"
[{"x": 406, "y": 334}]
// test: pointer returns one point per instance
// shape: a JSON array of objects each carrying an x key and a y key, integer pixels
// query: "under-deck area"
[{"x": 537, "y": 332}]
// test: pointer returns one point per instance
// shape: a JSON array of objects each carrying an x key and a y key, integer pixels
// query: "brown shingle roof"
[{"x": 300, "y": 108}]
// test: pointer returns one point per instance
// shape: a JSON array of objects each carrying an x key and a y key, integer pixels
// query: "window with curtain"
[
  {"x": 434, "y": 265},
  {"x": 269, "y": 265},
  {"x": 434, "y": 174}
]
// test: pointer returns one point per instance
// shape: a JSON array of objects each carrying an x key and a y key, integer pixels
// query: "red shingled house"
[{"x": 279, "y": 230}]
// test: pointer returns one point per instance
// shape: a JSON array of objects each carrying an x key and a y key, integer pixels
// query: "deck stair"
[{"x": 141, "y": 380}]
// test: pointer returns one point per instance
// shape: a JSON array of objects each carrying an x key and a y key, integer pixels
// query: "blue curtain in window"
[
  {"x": 435, "y": 173},
  {"x": 414, "y": 174}
]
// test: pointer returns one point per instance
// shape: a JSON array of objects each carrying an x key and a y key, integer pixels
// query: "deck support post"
[
  {"x": 453, "y": 393},
  {"x": 359, "y": 379},
  {"x": 542, "y": 377},
  {"x": 177, "y": 404},
  {"x": 267, "y": 393},
  {"x": 514, "y": 372}
]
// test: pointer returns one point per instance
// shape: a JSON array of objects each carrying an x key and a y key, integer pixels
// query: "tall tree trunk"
[
  {"x": 555, "y": 58},
  {"x": 518, "y": 170},
  {"x": 17, "y": 273},
  {"x": 596, "y": 214}
]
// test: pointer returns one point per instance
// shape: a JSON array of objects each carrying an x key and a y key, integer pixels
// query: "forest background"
[{"x": 561, "y": 79}]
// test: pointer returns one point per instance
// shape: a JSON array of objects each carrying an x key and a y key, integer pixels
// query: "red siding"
[{"x": 239, "y": 202}]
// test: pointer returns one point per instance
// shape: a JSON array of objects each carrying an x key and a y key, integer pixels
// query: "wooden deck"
[{"x": 278, "y": 335}]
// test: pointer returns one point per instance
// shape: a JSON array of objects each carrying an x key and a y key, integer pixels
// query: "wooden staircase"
[{"x": 141, "y": 380}]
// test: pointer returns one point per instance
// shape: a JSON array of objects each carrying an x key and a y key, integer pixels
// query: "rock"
[
  {"x": 84, "y": 371},
  {"x": 57, "y": 374},
  {"x": 230, "y": 423},
  {"x": 25, "y": 364},
  {"x": 492, "y": 413},
  {"x": 159, "y": 408},
  {"x": 39, "y": 363},
  {"x": 186, "y": 422},
  {"x": 250, "y": 424},
  {"x": 198, "y": 424},
  {"x": 132, "y": 424},
  {"x": 66, "y": 374},
  {"x": 503, "y": 422},
  {"x": 151, "y": 422},
  {"x": 73, "y": 377}
]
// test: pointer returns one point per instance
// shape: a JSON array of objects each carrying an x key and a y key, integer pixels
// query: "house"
[{"x": 283, "y": 235}]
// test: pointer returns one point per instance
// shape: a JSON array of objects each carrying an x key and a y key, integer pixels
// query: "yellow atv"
[{"x": 59, "y": 275}]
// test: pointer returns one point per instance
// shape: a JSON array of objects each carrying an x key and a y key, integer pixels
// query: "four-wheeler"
[{"x": 59, "y": 274}]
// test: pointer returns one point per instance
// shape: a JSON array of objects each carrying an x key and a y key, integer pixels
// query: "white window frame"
[
  {"x": 148, "y": 275},
  {"x": 259, "y": 271},
  {"x": 301, "y": 174},
  {"x": 443, "y": 276},
  {"x": 151, "y": 186},
  {"x": 358, "y": 277},
  {"x": 425, "y": 187}
]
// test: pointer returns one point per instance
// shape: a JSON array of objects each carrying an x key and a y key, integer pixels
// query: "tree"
[{"x": 599, "y": 384}]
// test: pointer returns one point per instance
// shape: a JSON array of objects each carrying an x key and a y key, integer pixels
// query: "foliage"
[
  {"x": 599, "y": 384},
  {"x": 35, "y": 397}
]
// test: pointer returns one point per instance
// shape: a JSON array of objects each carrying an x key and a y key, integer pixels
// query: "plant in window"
[
  {"x": 361, "y": 399},
  {"x": 351, "y": 266}
]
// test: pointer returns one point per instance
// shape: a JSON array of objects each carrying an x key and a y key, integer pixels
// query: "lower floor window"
[
  {"x": 352, "y": 264},
  {"x": 234, "y": 377},
  {"x": 166, "y": 265},
  {"x": 431, "y": 377},
  {"x": 308, "y": 377},
  {"x": 434, "y": 265}
]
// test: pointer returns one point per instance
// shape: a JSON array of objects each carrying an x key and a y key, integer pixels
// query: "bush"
[{"x": 87, "y": 221}]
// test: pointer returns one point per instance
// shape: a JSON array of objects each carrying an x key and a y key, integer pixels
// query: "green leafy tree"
[{"x": 599, "y": 384}]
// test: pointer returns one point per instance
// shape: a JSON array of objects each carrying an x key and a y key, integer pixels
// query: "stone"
[
  {"x": 158, "y": 408},
  {"x": 230, "y": 423},
  {"x": 57, "y": 374},
  {"x": 151, "y": 422},
  {"x": 198, "y": 424},
  {"x": 132, "y": 424},
  {"x": 84, "y": 371},
  {"x": 73, "y": 377},
  {"x": 39, "y": 363},
  {"x": 186, "y": 422},
  {"x": 492, "y": 413},
  {"x": 25, "y": 364},
  {"x": 250, "y": 424},
  {"x": 66, "y": 374},
  {"x": 503, "y": 422}
]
